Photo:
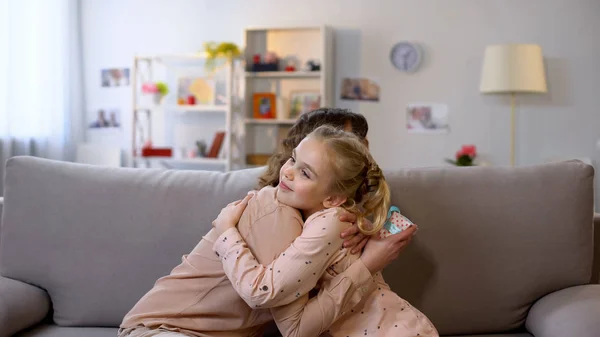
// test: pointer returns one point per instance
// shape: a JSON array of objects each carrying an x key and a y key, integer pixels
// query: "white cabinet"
[
  {"x": 178, "y": 124},
  {"x": 294, "y": 91}
]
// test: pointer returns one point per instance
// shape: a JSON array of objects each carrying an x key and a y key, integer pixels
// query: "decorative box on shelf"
[
  {"x": 258, "y": 67},
  {"x": 157, "y": 152}
]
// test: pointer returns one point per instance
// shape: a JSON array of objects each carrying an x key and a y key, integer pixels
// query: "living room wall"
[{"x": 564, "y": 123}]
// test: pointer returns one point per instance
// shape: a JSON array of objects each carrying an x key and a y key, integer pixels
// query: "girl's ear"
[{"x": 334, "y": 201}]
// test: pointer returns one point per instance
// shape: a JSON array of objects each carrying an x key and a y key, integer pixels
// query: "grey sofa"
[{"x": 500, "y": 251}]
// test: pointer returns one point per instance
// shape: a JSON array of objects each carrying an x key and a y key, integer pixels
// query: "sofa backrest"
[
  {"x": 491, "y": 241},
  {"x": 97, "y": 238}
]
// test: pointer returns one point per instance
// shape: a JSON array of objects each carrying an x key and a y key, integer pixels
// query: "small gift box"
[{"x": 396, "y": 223}]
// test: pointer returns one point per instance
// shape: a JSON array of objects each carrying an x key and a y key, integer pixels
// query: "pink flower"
[
  {"x": 469, "y": 150},
  {"x": 465, "y": 156},
  {"x": 149, "y": 88}
]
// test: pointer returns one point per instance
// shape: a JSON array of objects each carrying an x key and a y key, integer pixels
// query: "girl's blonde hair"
[
  {"x": 357, "y": 176},
  {"x": 306, "y": 124}
]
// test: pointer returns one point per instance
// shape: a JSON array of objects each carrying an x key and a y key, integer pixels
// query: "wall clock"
[{"x": 406, "y": 56}]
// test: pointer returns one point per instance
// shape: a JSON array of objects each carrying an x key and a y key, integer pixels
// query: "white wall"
[{"x": 563, "y": 123}]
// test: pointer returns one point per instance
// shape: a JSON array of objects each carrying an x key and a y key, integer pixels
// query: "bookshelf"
[
  {"x": 292, "y": 45},
  {"x": 176, "y": 125}
]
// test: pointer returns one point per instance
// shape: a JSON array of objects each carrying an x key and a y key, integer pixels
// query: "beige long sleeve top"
[
  {"x": 198, "y": 299},
  {"x": 315, "y": 245},
  {"x": 316, "y": 255}
]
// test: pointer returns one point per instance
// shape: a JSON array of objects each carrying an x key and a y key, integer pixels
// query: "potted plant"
[
  {"x": 213, "y": 51},
  {"x": 159, "y": 90},
  {"x": 465, "y": 156}
]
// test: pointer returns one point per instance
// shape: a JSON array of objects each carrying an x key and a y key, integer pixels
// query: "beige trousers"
[{"x": 145, "y": 332}]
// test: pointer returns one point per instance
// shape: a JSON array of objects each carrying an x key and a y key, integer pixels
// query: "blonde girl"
[
  {"x": 197, "y": 298},
  {"x": 330, "y": 170}
]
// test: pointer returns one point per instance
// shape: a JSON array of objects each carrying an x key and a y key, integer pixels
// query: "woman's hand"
[
  {"x": 355, "y": 240},
  {"x": 231, "y": 214},
  {"x": 379, "y": 253}
]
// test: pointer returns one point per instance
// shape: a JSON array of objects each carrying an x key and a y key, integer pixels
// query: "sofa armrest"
[
  {"x": 570, "y": 312},
  {"x": 21, "y": 306},
  {"x": 596, "y": 265}
]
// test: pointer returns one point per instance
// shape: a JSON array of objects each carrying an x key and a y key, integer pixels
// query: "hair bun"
[{"x": 373, "y": 177}]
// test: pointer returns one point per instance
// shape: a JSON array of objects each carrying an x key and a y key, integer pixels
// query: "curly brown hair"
[{"x": 307, "y": 123}]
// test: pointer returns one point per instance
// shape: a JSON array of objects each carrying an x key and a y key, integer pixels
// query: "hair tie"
[{"x": 372, "y": 178}]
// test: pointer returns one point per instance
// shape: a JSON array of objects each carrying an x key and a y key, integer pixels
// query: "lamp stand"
[{"x": 512, "y": 129}]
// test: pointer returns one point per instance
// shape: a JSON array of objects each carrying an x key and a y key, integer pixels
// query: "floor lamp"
[{"x": 512, "y": 69}]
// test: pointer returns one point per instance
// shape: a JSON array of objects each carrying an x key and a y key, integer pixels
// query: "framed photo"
[
  {"x": 106, "y": 118},
  {"x": 427, "y": 118},
  {"x": 303, "y": 101},
  {"x": 264, "y": 105},
  {"x": 360, "y": 89},
  {"x": 115, "y": 77},
  {"x": 202, "y": 89}
]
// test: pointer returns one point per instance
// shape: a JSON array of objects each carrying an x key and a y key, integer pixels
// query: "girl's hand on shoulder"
[
  {"x": 230, "y": 215},
  {"x": 379, "y": 253},
  {"x": 353, "y": 238}
]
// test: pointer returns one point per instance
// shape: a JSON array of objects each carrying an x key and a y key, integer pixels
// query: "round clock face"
[{"x": 406, "y": 56}]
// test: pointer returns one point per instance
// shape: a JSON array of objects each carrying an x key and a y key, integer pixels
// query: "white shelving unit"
[
  {"x": 299, "y": 44},
  {"x": 179, "y": 126},
  {"x": 284, "y": 74},
  {"x": 186, "y": 108}
]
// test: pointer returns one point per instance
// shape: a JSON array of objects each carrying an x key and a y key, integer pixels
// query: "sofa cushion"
[
  {"x": 492, "y": 241},
  {"x": 498, "y": 335},
  {"x": 98, "y": 238},
  {"x": 57, "y": 331}
]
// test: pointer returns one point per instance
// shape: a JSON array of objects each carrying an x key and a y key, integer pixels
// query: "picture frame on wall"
[
  {"x": 264, "y": 105},
  {"x": 303, "y": 101},
  {"x": 106, "y": 118},
  {"x": 360, "y": 89},
  {"x": 114, "y": 77},
  {"x": 427, "y": 118}
]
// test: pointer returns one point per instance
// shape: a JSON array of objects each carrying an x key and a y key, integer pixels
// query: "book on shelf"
[
  {"x": 157, "y": 152},
  {"x": 216, "y": 145}
]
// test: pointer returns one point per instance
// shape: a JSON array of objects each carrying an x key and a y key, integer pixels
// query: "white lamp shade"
[{"x": 513, "y": 68}]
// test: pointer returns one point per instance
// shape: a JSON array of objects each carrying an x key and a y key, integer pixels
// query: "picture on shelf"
[
  {"x": 427, "y": 118},
  {"x": 102, "y": 121},
  {"x": 115, "y": 77},
  {"x": 360, "y": 89},
  {"x": 303, "y": 101},
  {"x": 264, "y": 105},
  {"x": 196, "y": 90}
]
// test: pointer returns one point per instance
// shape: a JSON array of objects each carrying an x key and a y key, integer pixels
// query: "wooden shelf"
[
  {"x": 185, "y": 108},
  {"x": 270, "y": 121},
  {"x": 276, "y": 28},
  {"x": 283, "y": 74},
  {"x": 200, "y": 56}
]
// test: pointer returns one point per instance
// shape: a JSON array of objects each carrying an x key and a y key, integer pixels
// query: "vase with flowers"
[
  {"x": 213, "y": 50},
  {"x": 465, "y": 156},
  {"x": 158, "y": 90}
]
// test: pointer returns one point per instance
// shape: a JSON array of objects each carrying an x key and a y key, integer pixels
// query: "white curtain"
[{"x": 40, "y": 79}]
